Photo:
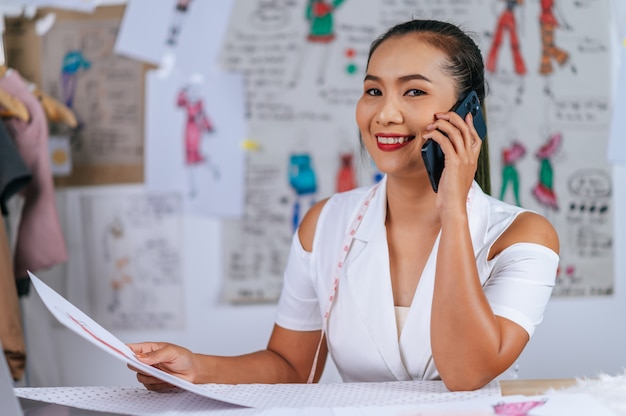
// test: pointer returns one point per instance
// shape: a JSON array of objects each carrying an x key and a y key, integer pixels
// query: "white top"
[
  {"x": 401, "y": 314},
  {"x": 362, "y": 336}
]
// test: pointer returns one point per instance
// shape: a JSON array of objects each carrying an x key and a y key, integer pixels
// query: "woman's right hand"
[{"x": 170, "y": 358}]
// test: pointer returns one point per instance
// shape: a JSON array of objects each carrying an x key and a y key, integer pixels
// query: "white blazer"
[{"x": 361, "y": 331}]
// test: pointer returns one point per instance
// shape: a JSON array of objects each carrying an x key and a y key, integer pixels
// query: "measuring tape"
[{"x": 347, "y": 242}]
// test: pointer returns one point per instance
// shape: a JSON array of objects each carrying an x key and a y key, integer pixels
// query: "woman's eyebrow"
[{"x": 404, "y": 78}]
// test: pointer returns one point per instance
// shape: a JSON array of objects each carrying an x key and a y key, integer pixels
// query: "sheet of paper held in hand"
[{"x": 260, "y": 395}]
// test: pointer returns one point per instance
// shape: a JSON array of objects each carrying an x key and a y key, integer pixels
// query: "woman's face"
[{"x": 404, "y": 87}]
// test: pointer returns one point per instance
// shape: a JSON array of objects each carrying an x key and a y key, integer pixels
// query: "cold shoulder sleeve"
[
  {"x": 521, "y": 282},
  {"x": 298, "y": 306}
]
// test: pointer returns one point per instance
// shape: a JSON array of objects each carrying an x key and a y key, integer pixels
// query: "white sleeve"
[
  {"x": 298, "y": 306},
  {"x": 521, "y": 283}
]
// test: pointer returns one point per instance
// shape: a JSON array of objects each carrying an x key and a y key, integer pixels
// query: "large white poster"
[{"x": 548, "y": 68}]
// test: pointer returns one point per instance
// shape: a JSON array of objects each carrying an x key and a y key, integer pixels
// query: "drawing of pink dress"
[
  {"x": 544, "y": 190},
  {"x": 196, "y": 124}
]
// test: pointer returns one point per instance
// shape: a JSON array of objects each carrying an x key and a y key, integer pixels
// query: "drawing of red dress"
[
  {"x": 507, "y": 22},
  {"x": 196, "y": 124},
  {"x": 346, "y": 177},
  {"x": 549, "y": 50}
]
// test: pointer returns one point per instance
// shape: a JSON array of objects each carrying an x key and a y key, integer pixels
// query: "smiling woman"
[{"x": 396, "y": 281}]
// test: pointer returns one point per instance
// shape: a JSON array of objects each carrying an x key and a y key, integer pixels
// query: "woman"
[{"x": 396, "y": 281}]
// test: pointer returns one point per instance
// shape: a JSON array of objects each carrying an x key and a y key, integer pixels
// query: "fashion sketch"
[
  {"x": 303, "y": 181},
  {"x": 320, "y": 17},
  {"x": 73, "y": 62},
  {"x": 197, "y": 125},
  {"x": 181, "y": 10},
  {"x": 544, "y": 189},
  {"x": 506, "y": 23},
  {"x": 510, "y": 176}
]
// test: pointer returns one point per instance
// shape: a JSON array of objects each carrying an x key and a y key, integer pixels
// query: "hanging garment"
[
  {"x": 40, "y": 243},
  {"x": 11, "y": 334},
  {"x": 14, "y": 175}
]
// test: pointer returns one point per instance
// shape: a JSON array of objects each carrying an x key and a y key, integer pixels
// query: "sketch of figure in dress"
[
  {"x": 197, "y": 124},
  {"x": 180, "y": 12},
  {"x": 510, "y": 176},
  {"x": 544, "y": 190},
  {"x": 346, "y": 176},
  {"x": 506, "y": 23},
  {"x": 73, "y": 61},
  {"x": 320, "y": 16},
  {"x": 303, "y": 181},
  {"x": 549, "y": 50},
  {"x": 117, "y": 253}
]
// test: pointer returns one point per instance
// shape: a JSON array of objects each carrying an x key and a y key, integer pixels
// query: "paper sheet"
[{"x": 87, "y": 328}]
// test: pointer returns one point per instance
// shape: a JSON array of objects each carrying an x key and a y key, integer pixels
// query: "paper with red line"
[{"x": 78, "y": 322}]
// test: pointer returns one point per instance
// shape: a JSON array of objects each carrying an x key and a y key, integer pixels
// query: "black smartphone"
[{"x": 431, "y": 151}]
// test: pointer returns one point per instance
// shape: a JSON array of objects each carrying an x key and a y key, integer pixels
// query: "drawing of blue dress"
[
  {"x": 73, "y": 61},
  {"x": 303, "y": 181}
]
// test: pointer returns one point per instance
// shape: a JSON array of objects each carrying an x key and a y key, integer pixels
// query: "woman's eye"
[
  {"x": 373, "y": 91},
  {"x": 414, "y": 92}
]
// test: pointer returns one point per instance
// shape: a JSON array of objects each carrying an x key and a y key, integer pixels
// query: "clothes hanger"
[
  {"x": 55, "y": 111},
  {"x": 10, "y": 106}
]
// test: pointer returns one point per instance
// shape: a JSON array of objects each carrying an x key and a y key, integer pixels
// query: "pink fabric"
[{"x": 40, "y": 242}]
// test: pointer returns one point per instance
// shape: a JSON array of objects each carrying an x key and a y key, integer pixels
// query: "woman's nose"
[{"x": 390, "y": 112}]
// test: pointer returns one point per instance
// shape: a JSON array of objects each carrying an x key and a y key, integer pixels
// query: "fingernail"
[{"x": 429, "y": 127}]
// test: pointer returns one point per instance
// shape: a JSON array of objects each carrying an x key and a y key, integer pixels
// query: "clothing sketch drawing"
[
  {"x": 180, "y": 11},
  {"x": 544, "y": 190},
  {"x": 507, "y": 23},
  {"x": 510, "y": 176},
  {"x": 303, "y": 181},
  {"x": 549, "y": 50},
  {"x": 73, "y": 62},
  {"x": 320, "y": 16},
  {"x": 196, "y": 124},
  {"x": 346, "y": 177}
]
